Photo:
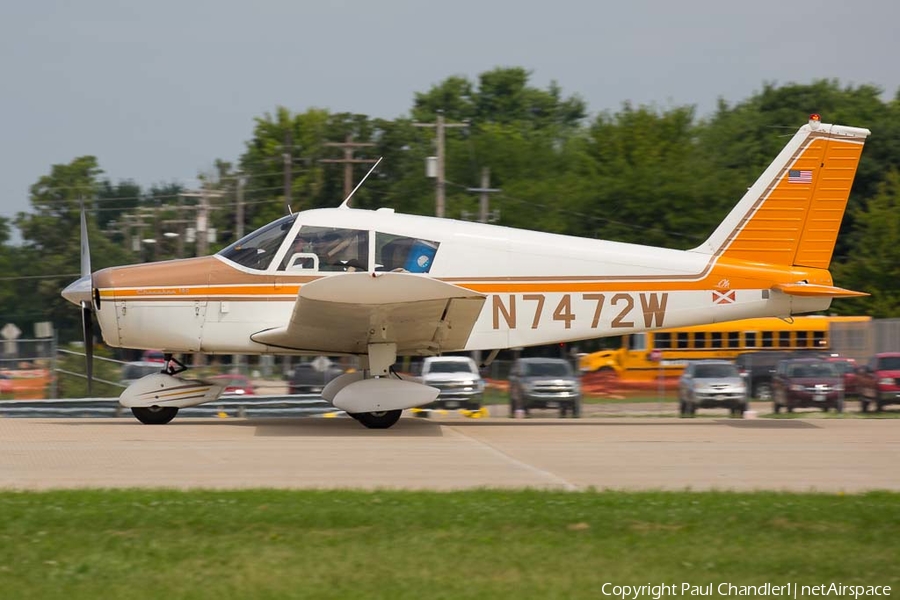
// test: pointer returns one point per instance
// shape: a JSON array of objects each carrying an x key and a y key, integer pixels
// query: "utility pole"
[
  {"x": 348, "y": 161},
  {"x": 203, "y": 208},
  {"x": 239, "y": 211},
  {"x": 203, "y": 224},
  {"x": 484, "y": 213},
  {"x": 439, "y": 127},
  {"x": 286, "y": 156}
]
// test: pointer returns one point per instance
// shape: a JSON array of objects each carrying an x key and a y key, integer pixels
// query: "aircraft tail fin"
[{"x": 792, "y": 214}]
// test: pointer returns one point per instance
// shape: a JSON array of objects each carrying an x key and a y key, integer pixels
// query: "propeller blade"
[
  {"x": 87, "y": 324},
  {"x": 85, "y": 246}
]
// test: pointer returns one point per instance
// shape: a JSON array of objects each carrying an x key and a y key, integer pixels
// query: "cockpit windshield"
[{"x": 257, "y": 250}]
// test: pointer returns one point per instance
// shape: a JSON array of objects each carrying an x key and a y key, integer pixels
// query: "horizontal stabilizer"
[
  {"x": 821, "y": 291},
  {"x": 377, "y": 395}
]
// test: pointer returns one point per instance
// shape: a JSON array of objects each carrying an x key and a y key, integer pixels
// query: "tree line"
[{"x": 644, "y": 174}]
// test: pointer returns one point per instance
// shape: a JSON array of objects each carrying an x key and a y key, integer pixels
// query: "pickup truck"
[
  {"x": 458, "y": 379},
  {"x": 544, "y": 383},
  {"x": 878, "y": 382}
]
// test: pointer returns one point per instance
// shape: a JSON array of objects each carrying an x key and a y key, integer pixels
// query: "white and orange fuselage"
[
  {"x": 379, "y": 285},
  {"x": 769, "y": 257}
]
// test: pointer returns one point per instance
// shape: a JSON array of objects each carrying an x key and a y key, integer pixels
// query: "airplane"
[{"x": 377, "y": 284}]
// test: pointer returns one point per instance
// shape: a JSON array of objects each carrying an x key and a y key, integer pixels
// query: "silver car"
[{"x": 711, "y": 384}]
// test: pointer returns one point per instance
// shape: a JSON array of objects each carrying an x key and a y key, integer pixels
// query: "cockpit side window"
[
  {"x": 257, "y": 250},
  {"x": 327, "y": 249},
  {"x": 401, "y": 253}
]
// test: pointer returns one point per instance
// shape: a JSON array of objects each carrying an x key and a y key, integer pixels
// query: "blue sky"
[{"x": 159, "y": 90}]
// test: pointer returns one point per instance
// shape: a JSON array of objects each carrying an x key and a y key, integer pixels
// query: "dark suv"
[
  {"x": 758, "y": 368},
  {"x": 305, "y": 378},
  {"x": 878, "y": 383},
  {"x": 544, "y": 383}
]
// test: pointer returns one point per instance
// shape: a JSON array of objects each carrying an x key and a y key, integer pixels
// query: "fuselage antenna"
[{"x": 346, "y": 202}]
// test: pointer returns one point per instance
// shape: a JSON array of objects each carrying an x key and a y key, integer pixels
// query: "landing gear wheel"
[
  {"x": 864, "y": 405},
  {"x": 154, "y": 415},
  {"x": 379, "y": 420}
]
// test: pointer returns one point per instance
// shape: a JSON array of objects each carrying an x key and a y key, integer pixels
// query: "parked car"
[
  {"x": 457, "y": 378},
  {"x": 712, "y": 384},
  {"x": 6, "y": 384},
  {"x": 235, "y": 385},
  {"x": 306, "y": 378},
  {"x": 133, "y": 371},
  {"x": 758, "y": 368},
  {"x": 878, "y": 383},
  {"x": 544, "y": 383},
  {"x": 807, "y": 382},
  {"x": 848, "y": 369},
  {"x": 153, "y": 356}
]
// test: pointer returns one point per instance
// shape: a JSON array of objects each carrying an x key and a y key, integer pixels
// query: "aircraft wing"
[{"x": 345, "y": 313}]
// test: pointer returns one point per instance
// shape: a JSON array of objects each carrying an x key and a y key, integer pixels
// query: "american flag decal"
[
  {"x": 724, "y": 297},
  {"x": 798, "y": 176}
]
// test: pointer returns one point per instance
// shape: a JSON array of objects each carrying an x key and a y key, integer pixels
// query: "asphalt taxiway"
[{"x": 828, "y": 455}]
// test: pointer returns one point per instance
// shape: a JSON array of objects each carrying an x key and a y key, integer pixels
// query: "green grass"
[{"x": 480, "y": 544}]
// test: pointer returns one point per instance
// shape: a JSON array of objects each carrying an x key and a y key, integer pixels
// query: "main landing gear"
[
  {"x": 378, "y": 420},
  {"x": 155, "y": 414}
]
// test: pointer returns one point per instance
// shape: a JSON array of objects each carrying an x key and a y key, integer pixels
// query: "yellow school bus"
[{"x": 663, "y": 353}]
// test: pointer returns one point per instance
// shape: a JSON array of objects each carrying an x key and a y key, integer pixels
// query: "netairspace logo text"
[{"x": 788, "y": 590}]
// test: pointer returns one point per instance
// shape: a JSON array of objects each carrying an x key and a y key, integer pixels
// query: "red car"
[
  {"x": 6, "y": 384},
  {"x": 235, "y": 385},
  {"x": 153, "y": 356},
  {"x": 879, "y": 381}
]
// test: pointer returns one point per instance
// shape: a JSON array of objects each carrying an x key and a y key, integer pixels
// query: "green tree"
[
  {"x": 527, "y": 136},
  {"x": 52, "y": 239},
  {"x": 282, "y": 139},
  {"x": 874, "y": 265},
  {"x": 504, "y": 96},
  {"x": 645, "y": 169}
]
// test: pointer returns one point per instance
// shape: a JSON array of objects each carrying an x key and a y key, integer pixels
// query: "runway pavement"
[{"x": 834, "y": 455}]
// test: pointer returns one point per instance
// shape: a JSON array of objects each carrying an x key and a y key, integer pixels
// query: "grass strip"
[{"x": 393, "y": 544}]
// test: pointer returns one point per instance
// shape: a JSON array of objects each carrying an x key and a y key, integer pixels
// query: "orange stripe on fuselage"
[{"x": 725, "y": 274}]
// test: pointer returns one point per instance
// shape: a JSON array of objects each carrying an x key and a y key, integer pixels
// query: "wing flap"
[{"x": 345, "y": 313}]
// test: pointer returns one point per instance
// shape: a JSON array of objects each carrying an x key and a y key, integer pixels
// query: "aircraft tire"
[
  {"x": 379, "y": 420},
  {"x": 154, "y": 415}
]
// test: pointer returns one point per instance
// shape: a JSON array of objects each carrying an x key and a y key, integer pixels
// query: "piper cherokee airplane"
[{"x": 378, "y": 285}]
